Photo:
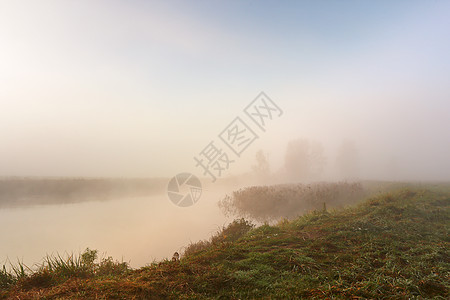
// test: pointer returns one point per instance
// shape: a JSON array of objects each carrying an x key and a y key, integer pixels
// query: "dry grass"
[
  {"x": 230, "y": 233},
  {"x": 393, "y": 246},
  {"x": 268, "y": 203}
]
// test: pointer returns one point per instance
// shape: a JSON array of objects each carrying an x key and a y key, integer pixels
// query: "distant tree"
[
  {"x": 262, "y": 168},
  {"x": 347, "y": 160},
  {"x": 304, "y": 160}
]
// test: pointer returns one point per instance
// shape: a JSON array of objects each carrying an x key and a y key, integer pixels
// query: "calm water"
[{"x": 139, "y": 230}]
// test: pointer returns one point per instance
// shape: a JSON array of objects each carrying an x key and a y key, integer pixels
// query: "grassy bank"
[{"x": 393, "y": 245}]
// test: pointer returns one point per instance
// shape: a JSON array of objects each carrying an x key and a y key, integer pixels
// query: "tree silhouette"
[
  {"x": 262, "y": 168},
  {"x": 304, "y": 160}
]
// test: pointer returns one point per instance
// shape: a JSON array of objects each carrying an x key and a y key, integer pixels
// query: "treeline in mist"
[
  {"x": 305, "y": 161},
  {"x": 24, "y": 191}
]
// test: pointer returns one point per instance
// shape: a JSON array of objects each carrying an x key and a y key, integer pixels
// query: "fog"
[
  {"x": 136, "y": 230},
  {"x": 117, "y": 90}
]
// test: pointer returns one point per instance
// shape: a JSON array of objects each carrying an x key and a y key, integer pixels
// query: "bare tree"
[{"x": 262, "y": 168}]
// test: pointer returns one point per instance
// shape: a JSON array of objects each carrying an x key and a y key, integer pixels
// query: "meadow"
[{"x": 392, "y": 245}]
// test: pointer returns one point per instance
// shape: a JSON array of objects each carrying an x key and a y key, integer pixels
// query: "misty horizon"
[
  {"x": 371, "y": 75},
  {"x": 224, "y": 149}
]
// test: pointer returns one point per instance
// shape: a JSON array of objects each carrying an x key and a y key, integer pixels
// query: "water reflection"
[{"x": 139, "y": 229}]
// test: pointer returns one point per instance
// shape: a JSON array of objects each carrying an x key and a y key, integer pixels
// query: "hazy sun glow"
[{"x": 137, "y": 88}]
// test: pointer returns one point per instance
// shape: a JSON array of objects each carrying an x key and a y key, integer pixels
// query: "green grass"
[{"x": 391, "y": 246}]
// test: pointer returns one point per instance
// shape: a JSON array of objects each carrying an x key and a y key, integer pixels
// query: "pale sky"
[{"x": 138, "y": 88}]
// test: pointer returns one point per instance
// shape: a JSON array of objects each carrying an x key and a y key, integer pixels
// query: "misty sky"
[{"x": 138, "y": 88}]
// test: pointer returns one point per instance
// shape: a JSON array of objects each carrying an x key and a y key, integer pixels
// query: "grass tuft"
[{"x": 391, "y": 246}]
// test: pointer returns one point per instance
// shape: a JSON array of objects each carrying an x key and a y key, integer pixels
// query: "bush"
[
  {"x": 234, "y": 230},
  {"x": 265, "y": 203},
  {"x": 230, "y": 233},
  {"x": 110, "y": 267}
]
